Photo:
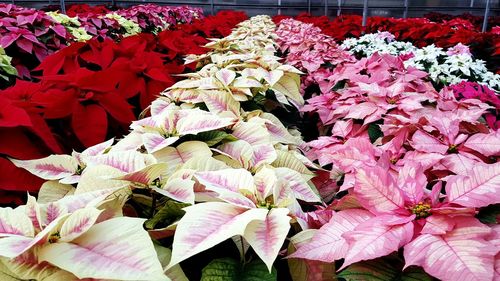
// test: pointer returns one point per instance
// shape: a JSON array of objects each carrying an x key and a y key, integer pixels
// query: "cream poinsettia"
[
  {"x": 76, "y": 237},
  {"x": 201, "y": 143}
]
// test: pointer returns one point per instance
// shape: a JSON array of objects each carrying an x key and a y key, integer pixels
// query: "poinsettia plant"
[{"x": 114, "y": 82}]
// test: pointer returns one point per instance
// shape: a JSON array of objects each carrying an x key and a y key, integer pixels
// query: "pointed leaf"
[
  {"x": 328, "y": 244},
  {"x": 377, "y": 238},
  {"x": 375, "y": 189},
  {"x": 266, "y": 237},
  {"x": 487, "y": 144},
  {"x": 452, "y": 258},
  {"x": 131, "y": 257},
  {"x": 15, "y": 222},
  {"x": 208, "y": 224},
  {"x": 53, "y": 167},
  {"x": 480, "y": 188},
  {"x": 78, "y": 223}
]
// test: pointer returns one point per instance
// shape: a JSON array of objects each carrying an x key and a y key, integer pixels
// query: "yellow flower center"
[{"x": 421, "y": 210}]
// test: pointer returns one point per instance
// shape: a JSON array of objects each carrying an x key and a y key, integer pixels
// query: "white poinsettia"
[
  {"x": 72, "y": 24},
  {"x": 131, "y": 28},
  {"x": 452, "y": 66}
]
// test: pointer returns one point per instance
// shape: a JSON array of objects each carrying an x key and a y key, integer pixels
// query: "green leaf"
[
  {"x": 169, "y": 213},
  {"x": 415, "y": 273},
  {"x": 373, "y": 270},
  {"x": 383, "y": 269},
  {"x": 227, "y": 269},
  {"x": 489, "y": 214},
  {"x": 214, "y": 137},
  {"x": 374, "y": 132}
]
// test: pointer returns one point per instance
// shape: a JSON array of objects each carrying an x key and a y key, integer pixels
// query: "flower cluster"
[
  {"x": 72, "y": 25},
  {"x": 444, "y": 68},
  {"x": 211, "y": 140},
  {"x": 88, "y": 91},
  {"x": 68, "y": 238},
  {"x": 411, "y": 168},
  {"x": 308, "y": 49},
  {"x": 29, "y": 35},
  {"x": 419, "y": 31},
  {"x": 154, "y": 18}
]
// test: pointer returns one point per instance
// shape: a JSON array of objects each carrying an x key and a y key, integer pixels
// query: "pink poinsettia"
[{"x": 399, "y": 212}]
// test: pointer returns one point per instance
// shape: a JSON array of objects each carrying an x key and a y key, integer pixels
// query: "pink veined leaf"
[
  {"x": 15, "y": 245},
  {"x": 480, "y": 188},
  {"x": 253, "y": 133},
  {"x": 301, "y": 190},
  {"x": 264, "y": 180},
  {"x": 376, "y": 190},
  {"x": 208, "y": 224},
  {"x": 277, "y": 130},
  {"x": 240, "y": 151},
  {"x": 132, "y": 256},
  {"x": 221, "y": 101},
  {"x": 154, "y": 142},
  {"x": 53, "y": 167},
  {"x": 266, "y": 237},
  {"x": 78, "y": 223},
  {"x": 452, "y": 257},
  {"x": 32, "y": 210},
  {"x": 51, "y": 211},
  {"x": 98, "y": 148},
  {"x": 146, "y": 175},
  {"x": 226, "y": 76},
  {"x": 458, "y": 164},
  {"x": 412, "y": 181},
  {"x": 328, "y": 244},
  {"x": 203, "y": 122},
  {"x": 487, "y": 144},
  {"x": 263, "y": 154},
  {"x": 77, "y": 201},
  {"x": 178, "y": 189},
  {"x": 426, "y": 143},
  {"x": 125, "y": 161},
  {"x": 377, "y": 238},
  {"x": 15, "y": 222},
  {"x": 230, "y": 179},
  {"x": 176, "y": 156},
  {"x": 438, "y": 224}
]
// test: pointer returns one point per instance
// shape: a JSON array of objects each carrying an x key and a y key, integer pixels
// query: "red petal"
[
  {"x": 12, "y": 116},
  {"x": 90, "y": 123},
  {"x": 16, "y": 143},
  {"x": 17, "y": 179},
  {"x": 117, "y": 107}
]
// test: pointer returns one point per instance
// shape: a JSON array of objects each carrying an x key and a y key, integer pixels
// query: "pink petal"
[
  {"x": 377, "y": 191},
  {"x": 267, "y": 237},
  {"x": 328, "y": 244},
  {"x": 480, "y": 188}
]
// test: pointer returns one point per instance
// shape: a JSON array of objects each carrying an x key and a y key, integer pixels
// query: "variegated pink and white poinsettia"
[{"x": 76, "y": 237}]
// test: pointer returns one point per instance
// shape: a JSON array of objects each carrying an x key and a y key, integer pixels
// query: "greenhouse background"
[{"x": 331, "y": 8}]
